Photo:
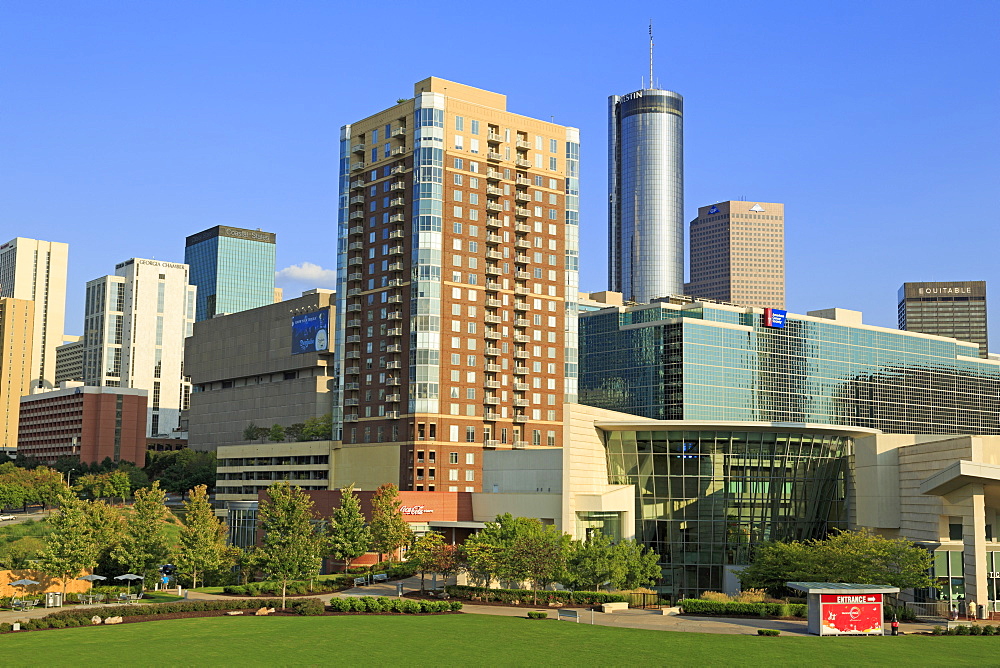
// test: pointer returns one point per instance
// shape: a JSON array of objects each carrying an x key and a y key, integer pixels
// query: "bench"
[
  {"x": 380, "y": 577},
  {"x": 568, "y": 614},
  {"x": 360, "y": 582},
  {"x": 614, "y": 607}
]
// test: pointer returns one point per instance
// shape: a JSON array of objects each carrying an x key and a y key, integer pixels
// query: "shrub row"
[
  {"x": 269, "y": 588},
  {"x": 526, "y": 595},
  {"x": 699, "y": 607},
  {"x": 973, "y": 630},
  {"x": 768, "y": 632},
  {"x": 386, "y": 604},
  {"x": 538, "y": 615},
  {"x": 901, "y": 612}
]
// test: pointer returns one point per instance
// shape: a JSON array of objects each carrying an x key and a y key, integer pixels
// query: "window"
[
  {"x": 453, "y": 433},
  {"x": 470, "y": 457},
  {"x": 460, "y": 123},
  {"x": 470, "y": 475},
  {"x": 452, "y": 457},
  {"x": 452, "y": 474},
  {"x": 470, "y": 437},
  {"x": 475, "y": 127}
]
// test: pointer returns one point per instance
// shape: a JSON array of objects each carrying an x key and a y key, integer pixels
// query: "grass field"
[{"x": 465, "y": 639}]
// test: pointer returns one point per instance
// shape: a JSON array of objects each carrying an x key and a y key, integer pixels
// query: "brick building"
[{"x": 90, "y": 422}]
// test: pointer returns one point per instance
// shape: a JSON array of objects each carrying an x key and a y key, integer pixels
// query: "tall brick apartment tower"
[{"x": 457, "y": 280}]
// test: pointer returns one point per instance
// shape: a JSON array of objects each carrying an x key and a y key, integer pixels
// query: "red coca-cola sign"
[{"x": 415, "y": 510}]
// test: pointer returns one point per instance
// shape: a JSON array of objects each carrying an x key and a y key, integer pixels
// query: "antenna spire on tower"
[{"x": 651, "y": 53}]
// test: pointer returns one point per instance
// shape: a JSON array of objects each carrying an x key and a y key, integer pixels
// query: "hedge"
[
  {"x": 526, "y": 595},
  {"x": 307, "y": 606},
  {"x": 385, "y": 604},
  {"x": 271, "y": 588},
  {"x": 699, "y": 607}
]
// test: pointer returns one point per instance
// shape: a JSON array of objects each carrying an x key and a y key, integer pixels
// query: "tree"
[
  {"x": 290, "y": 549},
  {"x": 537, "y": 555},
  {"x": 480, "y": 556},
  {"x": 348, "y": 535},
  {"x": 252, "y": 432},
  {"x": 108, "y": 526},
  {"x": 640, "y": 563},
  {"x": 293, "y": 432},
  {"x": 276, "y": 433},
  {"x": 388, "y": 528},
  {"x": 182, "y": 470},
  {"x": 860, "y": 557},
  {"x": 118, "y": 484},
  {"x": 427, "y": 554},
  {"x": 592, "y": 563},
  {"x": 202, "y": 545},
  {"x": 144, "y": 547},
  {"x": 70, "y": 547},
  {"x": 318, "y": 429}
]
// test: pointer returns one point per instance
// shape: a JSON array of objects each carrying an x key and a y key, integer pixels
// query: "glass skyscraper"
[
  {"x": 646, "y": 194},
  {"x": 703, "y": 361},
  {"x": 233, "y": 269}
]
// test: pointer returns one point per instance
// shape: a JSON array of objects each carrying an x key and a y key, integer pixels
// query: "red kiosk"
[{"x": 838, "y": 608}]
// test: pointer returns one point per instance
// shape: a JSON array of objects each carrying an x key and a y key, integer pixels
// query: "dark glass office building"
[
  {"x": 233, "y": 269},
  {"x": 708, "y": 493},
  {"x": 703, "y": 361},
  {"x": 956, "y": 309}
]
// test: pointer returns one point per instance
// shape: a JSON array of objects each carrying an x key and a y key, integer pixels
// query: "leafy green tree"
[
  {"x": 202, "y": 548},
  {"x": 108, "y": 526},
  {"x": 641, "y": 565},
  {"x": 860, "y": 557},
  {"x": 12, "y": 494},
  {"x": 71, "y": 546},
  {"x": 318, "y": 429},
  {"x": 293, "y": 432},
  {"x": 276, "y": 433},
  {"x": 118, "y": 484},
  {"x": 252, "y": 432},
  {"x": 347, "y": 533},
  {"x": 290, "y": 549},
  {"x": 185, "y": 469},
  {"x": 480, "y": 557},
  {"x": 388, "y": 528},
  {"x": 593, "y": 563},
  {"x": 427, "y": 554},
  {"x": 537, "y": 554},
  {"x": 144, "y": 546}
]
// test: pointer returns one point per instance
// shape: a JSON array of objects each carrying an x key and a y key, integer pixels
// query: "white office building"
[
  {"x": 36, "y": 270},
  {"x": 135, "y": 324}
]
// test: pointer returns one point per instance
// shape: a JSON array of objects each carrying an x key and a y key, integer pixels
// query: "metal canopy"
[{"x": 841, "y": 588}]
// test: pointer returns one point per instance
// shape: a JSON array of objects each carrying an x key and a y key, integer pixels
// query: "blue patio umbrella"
[{"x": 129, "y": 577}]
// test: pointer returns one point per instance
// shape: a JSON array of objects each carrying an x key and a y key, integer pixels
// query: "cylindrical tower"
[{"x": 646, "y": 194}]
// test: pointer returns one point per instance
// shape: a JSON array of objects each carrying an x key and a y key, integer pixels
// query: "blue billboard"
[
  {"x": 774, "y": 318},
  {"x": 311, "y": 332}
]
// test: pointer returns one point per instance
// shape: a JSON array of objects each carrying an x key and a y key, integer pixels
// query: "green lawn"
[
  {"x": 466, "y": 639},
  {"x": 161, "y": 597}
]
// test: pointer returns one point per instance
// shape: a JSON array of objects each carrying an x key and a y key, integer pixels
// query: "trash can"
[
  {"x": 982, "y": 612},
  {"x": 53, "y": 599}
]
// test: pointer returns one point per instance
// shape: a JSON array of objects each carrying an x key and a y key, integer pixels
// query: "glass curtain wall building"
[
  {"x": 707, "y": 494},
  {"x": 233, "y": 269},
  {"x": 646, "y": 194},
  {"x": 702, "y": 361}
]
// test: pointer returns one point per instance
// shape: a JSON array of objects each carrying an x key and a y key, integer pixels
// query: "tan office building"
[
  {"x": 17, "y": 322},
  {"x": 36, "y": 270},
  {"x": 738, "y": 254},
  {"x": 954, "y": 309},
  {"x": 261, "y": 366},
  {"x": 69, "y": 359},
  {"x": 458, "y": 265}
]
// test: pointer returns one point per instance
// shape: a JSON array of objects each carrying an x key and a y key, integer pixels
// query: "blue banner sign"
[{"x": 311, "y": 332}]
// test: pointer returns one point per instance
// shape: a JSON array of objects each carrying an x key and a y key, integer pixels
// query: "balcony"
[
  {"x": 520, "y": 418},
  {"x": 522, "y": 259},
  {"x": 357, "y": 165},
  {"x": 357, "y": 229},
  {"x": 492, "y": 352},
  {"x": 394, "y": 299},
  {"x": 398, "y": 151},
  {"x": 398, "y": 266},
  {"x": 394, "y": 348},
  {"x": 522, "y": 338},
  {"x": 354, "y": 323},
  {"x": 522, "y": 212},
  {"x": 395, "y": 331},
  {"x": 397, "y": 185},
  {"x": 357, "y": 276},
  {"x": 521, "y": 387},
  {"x": 493, "y": 221},
  {"x": 397, "y": 201},
  {"x": 352, "y": 387},
  {"x": 493, "y": 155},
  {"x": 354, "y": 292},
  {"x": 352, "y": 370},
  {"x": 494, "y": 239},
  {"x": 396, "y": 234},
  {"x": 351, "y": 308},
  {"x": 491, "y": 417},
  {"x": 522, "y": 275},
  {"x": 494, "y": 206},
  {"x": 397, "y": 218},
  {"x": 494, "y": 136},
  {"x": 351, "y": 417},
  {"x": 395, "y": 315},
  {"x": 353, "y": 354},
  {"x": 522, "y": 196},
  {"x": 519, "y": 445},
  {"x": 522, "y": 142},
  {"x": 523, "y": 180},
  {"x": 522, "y": 227},
  {"x": 492, "y": 401},
  {"x": 493, "y": 286},
  {"x": 494, "y": 174},
  {"x": 355, "y": 262},
  {"x": 493, "y": 335},
  {"x": 392, "y": 398},
  {"x": 394, "y": 365},
  {"x": 358, "y": 199},
  {"x": 356, "y": 245},
  {"x": 493, "y": 368},
  {"x": 398, "y": 132},
  {"x": 493, "y": 319},
  {"x": 522, "y": 354},
  {"x": 354, "y": 338},
  {"x": 522, "y": 243},
  {"x": 392, "y": 415},
  {"x": 396, "y": 250},
  {"x": 398, "y": 169},
  {"x": 521, "y": 290},
  {"x": 357, "y": 183},
  {"x": 357, "y": 215},
  {"x": 521, "y": 322},
  {"x": 491, "y": 443},
  {"x": 358, "y": 148},
  {"x": 522, "y": 402},
  {"x": 520, "y": 306},
  {"x": 494, "y": 303},
  {"x": 351, "y": 402},
  {"x": 392, "y": 381},
  {"x": 492, "y": 384},
  {"x": 522, "y": 163},
  {"x": 493, "y": 271},
  {"x": 520, "y": 371}
]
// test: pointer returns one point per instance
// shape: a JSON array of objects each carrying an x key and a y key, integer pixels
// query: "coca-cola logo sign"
[{"x": 414, "y": 510}]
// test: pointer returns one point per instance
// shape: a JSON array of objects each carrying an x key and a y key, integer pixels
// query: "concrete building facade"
[
  {"x": 92, "y": 423},
  {"x": 738, "y": 254},
  {"x": 261, "y": 366},
  {"x": 17, "y": 322},
  {"x": 457, "y": 278},
  {"x": 135, "y": 323},
  {"x": 36, "y": 271},
  {"x": 955, "y": 309},
  {"x": 69, "y": 359},
  {"x": 233, "y": 269}
]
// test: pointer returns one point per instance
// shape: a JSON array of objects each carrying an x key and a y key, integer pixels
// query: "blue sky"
[{"x": 125, "y": 127}]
